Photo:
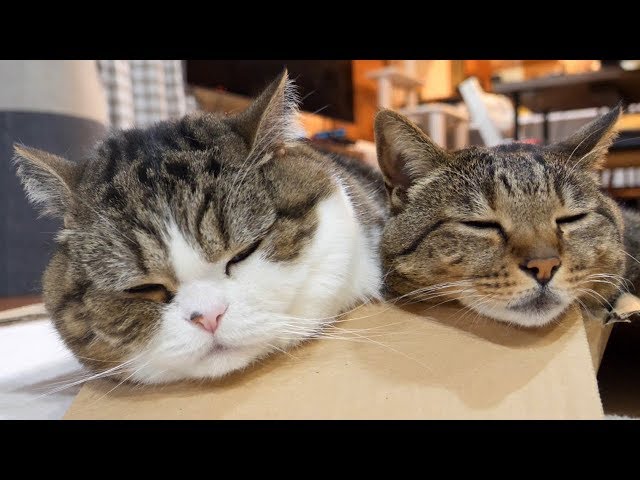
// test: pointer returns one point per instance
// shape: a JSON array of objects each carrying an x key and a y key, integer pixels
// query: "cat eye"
[
  {"x": 244, "y": 254},
  {"x": 482, "y": 225},
  {"x": 155, "y": 292},
  {"x": 570, "y": 219}
]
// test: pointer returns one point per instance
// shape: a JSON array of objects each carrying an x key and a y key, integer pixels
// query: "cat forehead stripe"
[
  {"x": 187, "y": 262},
  {"x": 153, "y": 216}
]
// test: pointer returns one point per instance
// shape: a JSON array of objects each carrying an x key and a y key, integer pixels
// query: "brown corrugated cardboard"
[
  {"x": 597, "y": 337},
  {"x": 419, "y": 363}
]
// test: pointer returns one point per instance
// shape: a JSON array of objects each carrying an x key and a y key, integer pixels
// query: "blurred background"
[{"x": 65, "y": 106}]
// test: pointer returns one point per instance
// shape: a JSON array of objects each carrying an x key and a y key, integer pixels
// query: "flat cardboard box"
[{"x": 420, "y": 362}]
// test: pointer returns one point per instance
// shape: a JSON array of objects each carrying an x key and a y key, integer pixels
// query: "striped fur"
[
  {"x": 156, "y": 218},
  {"x": 471, "y": 219}
]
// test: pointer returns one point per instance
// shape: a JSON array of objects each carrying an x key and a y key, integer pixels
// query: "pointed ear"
[
  {"x": 272, "y": 119},
  {"x": 46, "y": 178},
  {"x": 589, "y": 145},
  {"x": 405, "y": 154}
]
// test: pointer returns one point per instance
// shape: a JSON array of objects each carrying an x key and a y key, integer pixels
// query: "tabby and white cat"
[
  {"x": 195, "y": 247},
  {"x": 516, "y": 232}
]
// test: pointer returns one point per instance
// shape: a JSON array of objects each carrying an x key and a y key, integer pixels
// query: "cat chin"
[
  {"x": 211, "y": 367},
  {"x": 206, "y": 360},
  {"x": 532, "y": 319}
]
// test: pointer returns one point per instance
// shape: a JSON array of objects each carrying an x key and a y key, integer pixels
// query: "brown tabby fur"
[
  {"x": 225, "y": 180},
  {"x": 522, "y": 187}
]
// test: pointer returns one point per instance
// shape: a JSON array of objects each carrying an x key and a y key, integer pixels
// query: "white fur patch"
[
  {"x": 271, "y": 305},
  {"x": 188, "y": 264},
  {"x": 499, "y": 309}
]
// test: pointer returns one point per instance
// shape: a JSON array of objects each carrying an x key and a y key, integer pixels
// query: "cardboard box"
[{"x": 422, "y": 362}]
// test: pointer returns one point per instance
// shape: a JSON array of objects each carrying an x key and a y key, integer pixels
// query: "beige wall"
[{"x": 70, "y": 87}]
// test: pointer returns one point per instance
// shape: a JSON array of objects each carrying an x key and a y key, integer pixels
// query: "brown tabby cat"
[
  {"x": 192, "y": 248},
  {"x": 516, "y": 232}
]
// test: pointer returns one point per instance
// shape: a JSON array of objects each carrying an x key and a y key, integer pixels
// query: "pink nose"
[{"x": 209, "y": 320}]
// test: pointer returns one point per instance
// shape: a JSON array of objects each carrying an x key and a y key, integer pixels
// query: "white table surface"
[{"x": 33, "y": 364}]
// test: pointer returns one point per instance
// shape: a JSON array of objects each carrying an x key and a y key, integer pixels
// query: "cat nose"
[
  {"x": 542, "y": 269},
  {"x": 210, "y": 319}
]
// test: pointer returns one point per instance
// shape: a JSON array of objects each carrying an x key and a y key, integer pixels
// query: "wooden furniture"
[
  {"x": 364, "y": 99},
  {"x": 434, "y": 118},
  {"x": 605, "y": 87},
  {"x": 7, "y": 303},
  {"x": 390, "y": 78},
  {"x": 438, "y": 118},
  {"x": 333, "y": 147},
  {"x": 25, "y": 312},
  {"x": 623, "y": 156},
  {"x": 621, "y": 173}
]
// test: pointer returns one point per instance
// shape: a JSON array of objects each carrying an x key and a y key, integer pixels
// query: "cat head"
[
  {"x": 515, "y": 232},
  {"x": 193, "y": 247}
]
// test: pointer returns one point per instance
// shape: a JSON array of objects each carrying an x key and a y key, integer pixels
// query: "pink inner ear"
[
  {"x": 405, "y": 152},
  {"x": 592, "y": 140},
  {"x": 392, "y": 165}
]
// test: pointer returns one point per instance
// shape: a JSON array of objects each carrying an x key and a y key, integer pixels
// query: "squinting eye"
[
  {"x": 570, "y": 219},
  {"x": 480, "y": 224},
  {"x": 241, "y": 256},
  {"x": 155, "y": 292}
]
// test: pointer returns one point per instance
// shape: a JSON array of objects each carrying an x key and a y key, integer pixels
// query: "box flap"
[{"x": 391, "y": 363}]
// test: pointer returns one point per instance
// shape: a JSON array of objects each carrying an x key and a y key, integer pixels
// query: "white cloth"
[
  {"x": 142, "y": 92},
  {"x": 33, "y": 364}
]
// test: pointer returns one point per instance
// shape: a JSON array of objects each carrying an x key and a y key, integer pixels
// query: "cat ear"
[
  {"x": 46, "y": 178},
  {"x": 589, "y": 145},
  {"x": 405, "y": 153},
  {"x": 272, "y": 119}
]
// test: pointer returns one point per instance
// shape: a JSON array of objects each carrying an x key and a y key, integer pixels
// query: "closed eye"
[
  {"x": 155, "y": 292},
  {"x": 244, "y": 254},
  {"x": 570, "y": 219},
  {"x": 482, "y": 225}
]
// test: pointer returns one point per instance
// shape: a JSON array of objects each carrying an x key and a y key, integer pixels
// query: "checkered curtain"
[{"x": 142, "y": 92}]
